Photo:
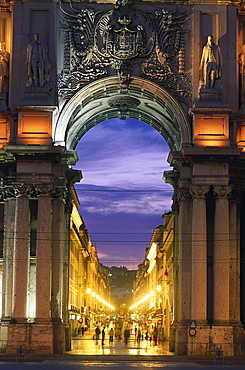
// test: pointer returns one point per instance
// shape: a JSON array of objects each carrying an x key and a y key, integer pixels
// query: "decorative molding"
[{"x": 124, "y": 41}]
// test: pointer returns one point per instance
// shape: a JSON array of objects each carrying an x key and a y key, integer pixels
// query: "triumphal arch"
[{"x": 176, "y": 65}]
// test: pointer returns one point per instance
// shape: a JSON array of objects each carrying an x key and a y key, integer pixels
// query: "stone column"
[
  {"x": 199, "y": 255},
  {"x": 183, "y": 256},
  {"x": 234, "y": 261},
  {"x": 58, "y": 228},
  {"x": 221, "y": 255},
  {"x": 21, "y": 257},
  {"x": 8, "y": 257},
  {"x": 43, "y": 247},
  {"x": 182, "y": 272},
  {"x": 58, "y": 242}
]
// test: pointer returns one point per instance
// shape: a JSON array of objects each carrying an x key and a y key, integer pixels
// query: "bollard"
[
  {"x": 218, "y": 354},
  {"x": 20, "y": 353}
]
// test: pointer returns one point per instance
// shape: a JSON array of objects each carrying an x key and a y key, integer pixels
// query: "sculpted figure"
[
  {"x": 37, "y": 63},
  {"x": 211, "y": 62},
  {"x": 242, "y": 74},
  {"x": 4, "y": 70}
]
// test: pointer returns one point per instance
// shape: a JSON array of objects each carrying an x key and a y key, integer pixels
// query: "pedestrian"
[
  {"x": 155, "y": 334},
  {"x": 103, "y": 336},
  {"x": 138, "y": 335},
  {"x": 79, "y": 332},
  {"x": 126, "y": 336},
  {"x": 83, "y": 330},
  {"x": 111, "y": 335},
  {"x": 118, "y": 333},
  {"x": 97, "y": 333}
]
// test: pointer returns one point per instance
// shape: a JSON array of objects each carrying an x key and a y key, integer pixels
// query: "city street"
[
  {"x": 105, "y": 363},
  {"x": 87, "y": 354},
  {"x": 88, "y": 346}
]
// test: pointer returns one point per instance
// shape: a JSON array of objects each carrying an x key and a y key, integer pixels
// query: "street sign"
[
  {"x": 192, "y": 332},
  {"x": 192, "y": 324}
]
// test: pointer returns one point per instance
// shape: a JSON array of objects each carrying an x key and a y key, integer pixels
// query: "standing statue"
[
  {"x": 4, "y": 71},
  {"x": 211, "y": 63},
  {"x": 37, "y": 63}
]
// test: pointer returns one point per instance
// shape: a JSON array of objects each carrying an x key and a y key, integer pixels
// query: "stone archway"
[
  {"x": 150, "y": 73},
  {"x": 107, "y": 98}
]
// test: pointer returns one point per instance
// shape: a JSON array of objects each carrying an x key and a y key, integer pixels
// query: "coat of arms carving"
[
  {"x": 125, "y": 41},
  {"x": 124, "y": 33}
]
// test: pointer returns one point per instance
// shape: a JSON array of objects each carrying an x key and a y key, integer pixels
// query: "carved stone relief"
[{"x": 125, "y": 41}]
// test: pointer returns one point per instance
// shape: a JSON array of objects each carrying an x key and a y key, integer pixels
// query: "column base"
[
  {"x": 207, "y": 339},
  {"x": 59, "y": 337},
  {"x": 42, "y": 337},
  {"x": 34, "y": 337},
  {"x": 180, "y": 337}
]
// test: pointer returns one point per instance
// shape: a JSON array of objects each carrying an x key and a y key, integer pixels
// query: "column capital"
[
  {"x": 59, "y": 192},
  {"x": 20, "y": 189},
  {"x": 44, "y": 189},
  {"x": 8, "y": 192},
  {"x": 222, "y": 191},
  {"x": 180, "y": 194},
  {"x": 199, "y": 191}
]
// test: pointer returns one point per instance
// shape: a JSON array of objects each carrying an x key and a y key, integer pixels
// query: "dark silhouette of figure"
[
  {"x": 103, "y": 337},
  {"x": 126, "y": 335}
]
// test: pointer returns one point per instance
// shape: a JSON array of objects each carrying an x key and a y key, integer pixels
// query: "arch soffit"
[{"x": 106, "y": 98}]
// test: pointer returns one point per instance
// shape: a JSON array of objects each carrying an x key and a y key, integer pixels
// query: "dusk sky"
[{"x": 122, "y": 193}]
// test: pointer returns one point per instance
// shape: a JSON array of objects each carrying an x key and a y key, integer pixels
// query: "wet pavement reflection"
[{"x": 88, "y": 346}]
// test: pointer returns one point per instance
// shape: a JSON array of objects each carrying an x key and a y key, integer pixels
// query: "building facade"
[
  {"x": 154, "y": 285},
  {"x": 178, "y": 66},
  {"x": 89, "y": 286}
]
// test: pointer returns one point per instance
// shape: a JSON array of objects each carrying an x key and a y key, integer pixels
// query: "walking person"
[
  {"x": 155, "y": 335},
  {"x": 138, "y": 335},
  {"x": 103, "y": 336},
  {"x": 126, "y": 336},
  {"x": 111, "y": 335},
  {"x": 97, "y": 333}
]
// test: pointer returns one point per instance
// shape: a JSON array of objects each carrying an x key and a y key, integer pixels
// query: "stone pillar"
[
  {"x": 199, "y": 255},
  {"x": 182, "y": 253},
  {"x": 43, "y": 248},
  {"x": 58, "y": 228},
  {"x": 221, "y": 255},
  {"x": 234, "y": 294},
  {"x": 182, "y": 271},
  {"x": 58, "y": 241},
  {"x": 42, "y": 337},
  {"x": 234, "y": 255},
  {"x": 8, "y": 256},
  {"x": 21, "y": 257}
]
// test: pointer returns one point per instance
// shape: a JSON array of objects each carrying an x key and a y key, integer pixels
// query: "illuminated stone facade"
[
  {"x": 66, "y": 66},
  {"x": 89, "y": 288},
  {"x": 153, "y": 290}
]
